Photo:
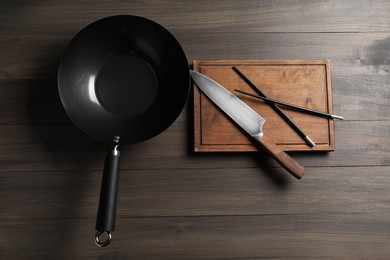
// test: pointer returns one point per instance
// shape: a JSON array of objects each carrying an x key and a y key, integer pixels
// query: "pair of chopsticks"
[{"x": 274, "y": 104}]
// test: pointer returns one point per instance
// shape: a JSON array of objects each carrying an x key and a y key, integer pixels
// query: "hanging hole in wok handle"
[
  {"x": 105, "y": 220},
  {"x": 104, "y": 242}
]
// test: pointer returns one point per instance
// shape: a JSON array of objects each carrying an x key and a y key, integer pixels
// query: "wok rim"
[{"x": 174, "y": 111}]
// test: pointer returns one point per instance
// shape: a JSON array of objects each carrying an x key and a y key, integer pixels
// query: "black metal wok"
[{"x": 122, "y": 79}]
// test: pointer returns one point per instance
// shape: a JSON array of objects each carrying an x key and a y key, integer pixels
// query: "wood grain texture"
[
  {"x": 305, "y": 83},
  {"x": 178, "y": 213},
  {"x": 26, "y": 101},
  {"x": 64, "y": 147},
  {"x": 202, "y": 15},
  {"x": 36, "y": 55},
  {"x": 198, "y": 192},
  {"x": 330, "y": 236},
  {"x": 173, "y": 203}
]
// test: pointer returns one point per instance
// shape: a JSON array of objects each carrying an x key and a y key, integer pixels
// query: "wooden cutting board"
[{"x": 305, "y": 83}]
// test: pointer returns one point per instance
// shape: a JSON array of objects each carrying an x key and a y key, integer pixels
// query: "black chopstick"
[
  {"x": 277, "y": 109},
  {"x": 295, "y": 107}
]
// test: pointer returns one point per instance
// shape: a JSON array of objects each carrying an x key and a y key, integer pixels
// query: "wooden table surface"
[{"x": 177, "y": 204}]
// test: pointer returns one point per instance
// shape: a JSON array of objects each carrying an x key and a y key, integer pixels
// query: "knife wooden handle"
[{"x": 282, "y": 158}]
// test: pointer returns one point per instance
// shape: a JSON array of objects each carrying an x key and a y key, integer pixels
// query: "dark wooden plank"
[
  {"x": 213, "y": 192},
  {"x": 30, "y": 55},
  {"x": 329, "y": 236},
  {"x": 64, "y": 147},
  {"x": 37, "y": 101},
  {"x": 361, "y": 97},
  {"x": 27, "y": 56},
  {"x": 31, "y": 102},
  {"x": 350, "y": 54},
  {"x": 215, "y": 16}
]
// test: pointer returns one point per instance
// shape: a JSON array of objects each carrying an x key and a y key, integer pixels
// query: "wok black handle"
[{"x": 105, "y": 220}]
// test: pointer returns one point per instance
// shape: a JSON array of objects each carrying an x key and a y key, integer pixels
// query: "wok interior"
[
  {"x": 123, "y": 76},
  {"x": 126, "y": 85}
]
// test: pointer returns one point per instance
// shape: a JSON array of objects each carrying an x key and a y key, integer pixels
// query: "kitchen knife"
[{"x": 247, "y": 119}]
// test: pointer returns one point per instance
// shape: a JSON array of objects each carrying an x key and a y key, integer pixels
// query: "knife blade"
[{"x": 247, "y": 119}]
